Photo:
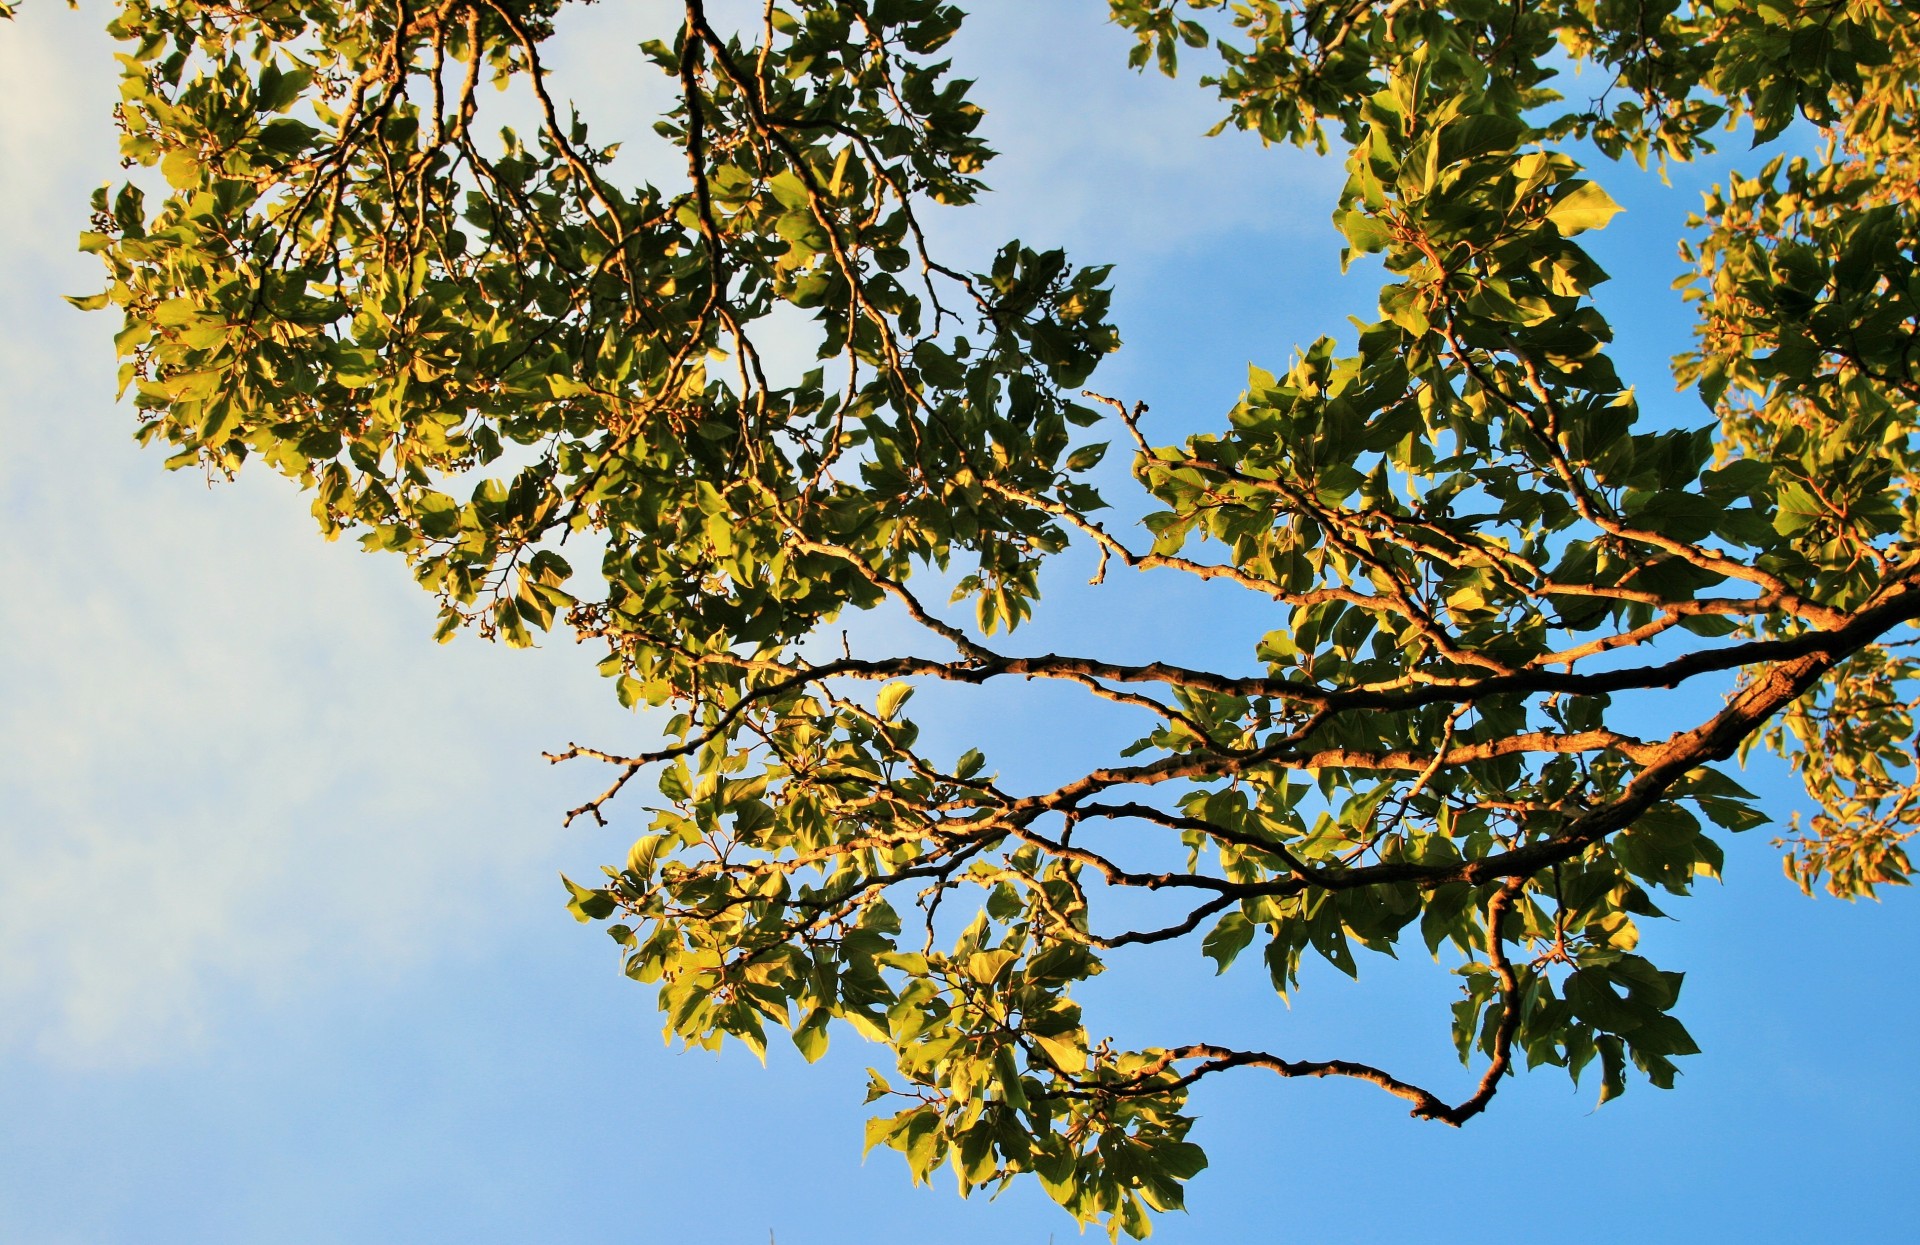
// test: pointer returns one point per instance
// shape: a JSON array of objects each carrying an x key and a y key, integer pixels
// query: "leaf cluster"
[{"x": 476, "y": 347}]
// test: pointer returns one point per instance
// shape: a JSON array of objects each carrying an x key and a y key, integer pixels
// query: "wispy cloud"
[{"x": 1118, "y": 163}]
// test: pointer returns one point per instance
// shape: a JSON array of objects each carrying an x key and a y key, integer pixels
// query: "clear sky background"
[{"x": 283, "y": 957}]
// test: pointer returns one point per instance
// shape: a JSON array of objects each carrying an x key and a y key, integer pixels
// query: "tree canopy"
[{"x": 476, "y": 347}]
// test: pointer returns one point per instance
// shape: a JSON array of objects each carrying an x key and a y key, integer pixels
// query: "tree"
[{"x": 1471, "y": 544}]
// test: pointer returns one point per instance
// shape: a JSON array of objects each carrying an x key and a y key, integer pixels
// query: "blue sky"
[{"x": 282, "y": 952}]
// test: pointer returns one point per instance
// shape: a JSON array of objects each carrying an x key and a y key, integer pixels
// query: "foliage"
[{"x": 469, "y": 350}]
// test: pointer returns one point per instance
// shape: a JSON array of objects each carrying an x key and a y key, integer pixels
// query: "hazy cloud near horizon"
[{"x": 232, "y": 762}]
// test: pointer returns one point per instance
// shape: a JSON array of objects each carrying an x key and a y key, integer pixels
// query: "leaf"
[
  {"x": 811, "y": 1039},
  {"x": 181, "y": 168},
  {"x": 1068, "y": 1052},
  {"x": 644, "y": 854},
  {"x": 287, "y": 136},
  {"x": 881, "y": 1130},
  {"x": 986, "y": 967},
  {"x": 891, "y": 697},
  {"x": 587, "y": 905},
  {"x": 1582, "y": 207},
  {"x": 1797, "y": 509},
  {"x": 1087, "y": 457},
  {"x": 1230, "y": 936},
  {"x": 871, "y": 1027},
  {"x": 1367, "y": 234},
  {"x": 1478, "y": 135},
  {"x": 1613, "y": 1067}
]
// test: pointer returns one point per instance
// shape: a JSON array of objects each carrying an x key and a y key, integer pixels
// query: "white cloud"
[
  {"x": 1118, "y": 163},
  {"x": 229, "y": 753},
  {"x": 230, "y": 757}
]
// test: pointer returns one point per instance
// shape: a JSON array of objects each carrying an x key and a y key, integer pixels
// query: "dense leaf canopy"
[{"x": 481, "y": 350}]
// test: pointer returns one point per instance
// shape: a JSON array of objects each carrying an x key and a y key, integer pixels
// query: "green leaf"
[
  {"x": 1580, "y": 207},
  {"x": 891, "y": 697},
  {"x": 1230, "y": 936},
  {"x": 644, "y": 854},
  {"x": 1481, "y": 134},
  {"x": 811, "y": 1038},
  {"x": 1068, "y": 1052},
  {"x": 1367, "y": 234},
  {"x": 181, "y": 168},
  {"x": 588, "y": 905},
  {"x": 1798, "y": 509}
]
